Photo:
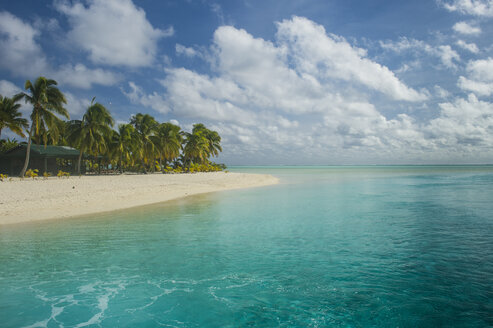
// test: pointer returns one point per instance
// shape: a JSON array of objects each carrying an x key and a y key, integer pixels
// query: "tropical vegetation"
[{"x": 141, "y": 145}]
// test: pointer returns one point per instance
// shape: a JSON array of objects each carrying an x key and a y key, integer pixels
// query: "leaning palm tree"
[
  {"x": 91, "y": 133},
  {"x": 10, "y": 117},
  {"x": 145, "y": 126},
  {"x": 47, "y": 101},
  {"x": 196, "y": 148},
  {"x": 168, "y": 138},
  {"x": 213, "y": 139}
]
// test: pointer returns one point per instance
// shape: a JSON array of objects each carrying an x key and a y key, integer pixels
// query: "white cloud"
[
  {"x": 448, "y": 56},
  {"x": 480, "y": 81},
  {"x": 472, "y": 47},
  {"x": 478, "y": 87},
  {"x": 8, "y": 89},
  {"x": 441, "y": 92},
  {"x": 76, "y": 106},
  {"x": 292, "y": 98},
  {"x": 465, "y": 28},
  {"x": 81, "y": 77},
  {"x": 154, "y": 100},
  {"x": 186, "y": 51},
  {"x": 462, "y": 124},
  {"x": 471, "y": 7},
  {"x": 193, "y": 95},
  {"x": 321, "y": 55},
  {"x": 445, "y": 53},
  {"x": 481, "y": 69},
  {"x": 114, "y": 32},
  {"x": 23, "y": 56},
  {"x": 19, "y": 51}
]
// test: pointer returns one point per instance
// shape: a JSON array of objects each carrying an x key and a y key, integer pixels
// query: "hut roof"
[{"x": 43, "y": 151}]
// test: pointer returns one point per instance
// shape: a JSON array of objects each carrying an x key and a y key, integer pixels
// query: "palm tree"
[
  {"x": 56, "y": 135},
  {"x": 123, "y": 143},
  {"x": 10, "y": 117},
  {"x": 168, "y": 139},
  {"x": 91, "y": 133},
  {"x": 145, "y": 126},
  {"x": 213, "y": 139},
  {"x": 47, "y": 101},
  {"x": 196, "y": 148},
  {"x": 7, "y": 144}
]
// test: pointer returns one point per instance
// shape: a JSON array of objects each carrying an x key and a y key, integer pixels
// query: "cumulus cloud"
[
  {"x": 472, "y": 47},
  {"x": 23, "y": 56},
  {"x": 322, "y": 55},
  {"x": 462, "y": 123},
  {"x": 76, "y": 107},
  {"x": 82, "y": 77},
  {"x": 8, "y": 89},
  {"x": 154, "y": 100},
  {"x": 19, "y": 50},
  {"x": 292, "y": 97},
  {"x": 471, "y": 7},
  {"x": 481, "y": 69},
  {"x": 478, "y": 87},
  {"x": 480, "y": 77},
  {"x": 113, "y": 32},
  {"x": 465, "y": 28}
]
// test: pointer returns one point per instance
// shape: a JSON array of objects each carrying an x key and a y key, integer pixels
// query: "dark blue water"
[{"x": 338, "y": 246}]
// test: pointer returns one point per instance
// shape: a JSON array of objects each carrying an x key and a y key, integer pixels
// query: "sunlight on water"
[{"x": 336, "y": 246}]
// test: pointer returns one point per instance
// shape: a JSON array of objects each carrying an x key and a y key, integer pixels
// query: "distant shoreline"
[{"x": 30, "y": 200}]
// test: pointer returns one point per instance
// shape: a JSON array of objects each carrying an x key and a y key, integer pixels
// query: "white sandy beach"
[{"x": 31, "y": 200}]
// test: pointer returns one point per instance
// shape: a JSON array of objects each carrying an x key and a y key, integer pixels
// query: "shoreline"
[{"x": 31, "y": 200}]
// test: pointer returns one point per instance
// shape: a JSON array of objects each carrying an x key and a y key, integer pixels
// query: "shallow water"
[{"x": 329, "y": 246}]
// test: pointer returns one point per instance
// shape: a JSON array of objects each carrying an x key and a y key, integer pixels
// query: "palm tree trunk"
[
  {"x": 79, "y": 161},
  {"x": 144, "y": 167},
  {"x": 28, "y": 152},
  {"x": 121, "y": 164}
]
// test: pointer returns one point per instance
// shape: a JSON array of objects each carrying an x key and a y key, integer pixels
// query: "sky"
[{"x": 291, "y": 82}]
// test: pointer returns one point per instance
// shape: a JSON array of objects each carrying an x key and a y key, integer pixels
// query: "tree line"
[{"x": 142, "y": 145}]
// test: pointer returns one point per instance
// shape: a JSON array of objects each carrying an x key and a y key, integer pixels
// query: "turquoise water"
[{"x": 329, "y": 246}]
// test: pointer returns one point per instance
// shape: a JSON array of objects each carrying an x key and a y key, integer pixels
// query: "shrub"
[
  {"x": 3, "y": 176},
  {"x": 62, "y": 174},
  {"x": 32, "y": 173}
]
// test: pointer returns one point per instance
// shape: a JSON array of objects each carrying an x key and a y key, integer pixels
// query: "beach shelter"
[{"x": 44, "y": 158}]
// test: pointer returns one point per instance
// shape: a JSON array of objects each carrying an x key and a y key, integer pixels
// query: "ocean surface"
[{"x": 383, "y": 246}]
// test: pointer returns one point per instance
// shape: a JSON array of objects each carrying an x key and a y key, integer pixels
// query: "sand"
[{"x": 54, "y": 198}]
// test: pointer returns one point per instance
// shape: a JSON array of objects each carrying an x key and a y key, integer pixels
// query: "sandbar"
[{"x": 26, "y": 200}]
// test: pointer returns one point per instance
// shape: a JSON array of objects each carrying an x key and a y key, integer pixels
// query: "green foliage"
[
  {"x": 3, "y": 176},
  {"x": 47, "y": 102},
  {"x": 62, "y": 174},
  {"x": 206, "y": 167},
  {"x": 10, "y": 117},
  {"x": 139, "y": 145},
  {"x": 46, "y": 175},
  {"x": 7, "y": 144},
  {"x": 31, "y": 173},
  {"x": 92, "y": 133}
]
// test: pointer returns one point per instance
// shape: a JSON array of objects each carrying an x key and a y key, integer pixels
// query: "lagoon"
[{"x": 380, "y": 246}]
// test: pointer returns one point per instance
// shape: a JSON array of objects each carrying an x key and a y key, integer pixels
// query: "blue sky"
[{"x": 283, "y": 82}]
